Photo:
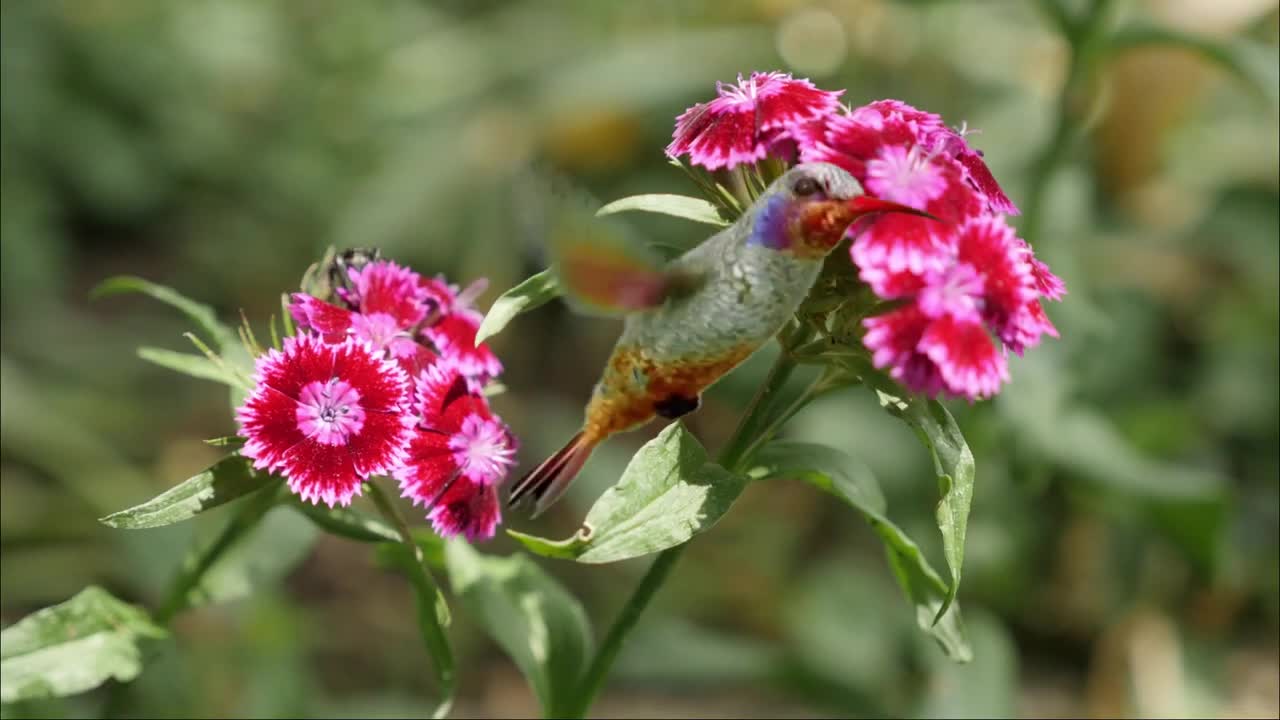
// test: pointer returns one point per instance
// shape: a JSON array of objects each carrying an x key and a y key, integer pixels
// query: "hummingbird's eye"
[{"x": 806, "y": 186}]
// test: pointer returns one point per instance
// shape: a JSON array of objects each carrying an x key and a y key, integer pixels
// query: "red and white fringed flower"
[
  {"x": 943, "y": 339},
  {"x": 326, "y": 416},
  {"x": 459, "y": 455},
  {"x": 747, "y": 119}
]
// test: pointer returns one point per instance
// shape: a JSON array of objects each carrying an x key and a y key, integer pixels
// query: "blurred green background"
[{"x": 1123, "y": 547}]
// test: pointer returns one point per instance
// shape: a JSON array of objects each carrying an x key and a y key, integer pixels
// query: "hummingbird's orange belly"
[{"x": 634, "y": 384}]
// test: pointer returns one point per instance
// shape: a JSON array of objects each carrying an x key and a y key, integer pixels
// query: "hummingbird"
[{"x": 690, "y": 322}]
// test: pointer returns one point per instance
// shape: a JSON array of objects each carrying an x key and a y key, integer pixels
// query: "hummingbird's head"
[{"x": 809, "y": 208}]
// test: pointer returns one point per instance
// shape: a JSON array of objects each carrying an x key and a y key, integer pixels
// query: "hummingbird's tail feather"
[{"x": 548, "y": 481}]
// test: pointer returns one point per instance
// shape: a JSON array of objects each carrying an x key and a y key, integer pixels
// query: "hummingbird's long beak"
[{"x": 865, "y": 205}]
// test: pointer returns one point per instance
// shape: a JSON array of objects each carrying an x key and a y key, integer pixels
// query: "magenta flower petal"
[
  {"x": 454, "y": 336},
  {"x": 984, "y": 182},
  {"x": 989, "y": 244},
  {"x": 332, "y": 323},
  {"x": 467, "y": 508},
  {"x": 326, "y": 417},
  {"x": 894, "y": 339},
  {"x": 900, "y": 243},
  {"x": 968, "y": 360},
  {"x": 738, "y": 126},
  {"x": 385, "y": 287},
  {"x": 905, "y": 175},
  {"x": 1025, "y": 328},
  {"x": 1049, "y": 285}
]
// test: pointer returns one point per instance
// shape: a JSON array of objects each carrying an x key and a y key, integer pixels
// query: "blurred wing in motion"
[{"x": 604, "y": 268}]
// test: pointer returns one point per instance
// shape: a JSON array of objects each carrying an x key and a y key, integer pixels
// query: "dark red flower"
[{"x": 459, "y": 454}]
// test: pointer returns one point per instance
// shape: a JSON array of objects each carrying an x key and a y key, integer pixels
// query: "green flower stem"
[
  {"x": 755, "y": 423},
  {"x": 253, "y": 510},
  {"x": 1087, "y": 38},
  {"x": 393, "y": 516}
]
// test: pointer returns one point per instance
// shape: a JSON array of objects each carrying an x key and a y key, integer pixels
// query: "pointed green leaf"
[
  {"x": 535, "y": 291},
  {"x": 536, "y": 621},
  {"x": 226, "y": 480},
  {"x": 669, "y": 492},
  {"x": 433, "y": 619},
  {"x": 681, "y": 206},
  {"x": 73, "y": 647},
  {"x": 197, "y": 366},
  {"x": 954, "y": 466},
  {"x": 202, "y": 315},
  {"x": 839, "y": 474}
]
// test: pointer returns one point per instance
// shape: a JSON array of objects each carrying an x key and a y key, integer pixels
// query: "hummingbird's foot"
[{"x": 674, "y": 406}]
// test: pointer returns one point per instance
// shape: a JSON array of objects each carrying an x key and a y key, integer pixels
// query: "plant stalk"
[{"x": 754, "y": 424}]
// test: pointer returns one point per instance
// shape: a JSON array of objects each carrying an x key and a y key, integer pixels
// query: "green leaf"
[
  {"x": 433, "y": 618},
  {"x": 669, "y": 492},
  {"x": 228, "y": 479},
  {"x": 681, "y": 206},
  {"x": 73, "y": 647},
  {"x": 202, "y": 315},
  {"x": 536, "y": 621},
  {"x": 256, "y": 549},
  {"x": 839, "y": 474},
  {"x": 347, "y": 523},
  {"x": 1256, "y": 64},
  {"x": 197, "y": 366},
  {"x": 954, "y": 466},
  {"x": 535, "y": 291}
]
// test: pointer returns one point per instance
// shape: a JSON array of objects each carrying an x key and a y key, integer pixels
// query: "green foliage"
[
  {"x": 954, "y": 466},
  {"x": 202, "y": 315},
  {"x": 536, "y": 291},
  {"x": 669, "y": 492},
  {"x": 224, "y": 481},
  {"x": 73, "y": 647},
  {"x": 681, "y": 206},
  {"x": 839, "y": 474},
  {"x": 433, "y": 621},
  {"x": 536, "y": 621}
]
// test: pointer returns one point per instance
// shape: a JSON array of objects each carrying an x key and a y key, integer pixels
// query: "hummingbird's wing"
[{"x": 606, "y": 269}]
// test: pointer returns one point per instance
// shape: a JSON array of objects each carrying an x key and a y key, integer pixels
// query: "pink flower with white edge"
[
  {"x": 326, "y": 417},
  {"x": 459, "y": 455},
  {"x": 945, "y": 337},
  {"x": 746, "y": 118}
]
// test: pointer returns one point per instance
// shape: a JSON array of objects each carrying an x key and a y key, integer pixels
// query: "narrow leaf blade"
[
  {"x": 196, "y": 366},
  {"x": 433, "y": 619},
  {"x": 532, "y": 617},
  {"x": 226, "y": 480},
  {"x": 536, "y": 291},
  {"x": 73, "y": 647},
  {"x": 202, "y": 315},
  {"x": 681, "y": 206}
]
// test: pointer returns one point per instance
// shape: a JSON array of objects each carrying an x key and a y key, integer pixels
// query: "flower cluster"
[
  {"x": 387, "y": 381},
  {"x": 966, "y": 289}
]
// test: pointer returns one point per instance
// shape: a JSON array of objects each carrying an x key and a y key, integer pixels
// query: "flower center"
[
  {"x": 483, "y": 450},
  {"x": 329, "y": 412},
  {"x": 956, "y": 291},
  {"x": 905, "y": 176}
]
